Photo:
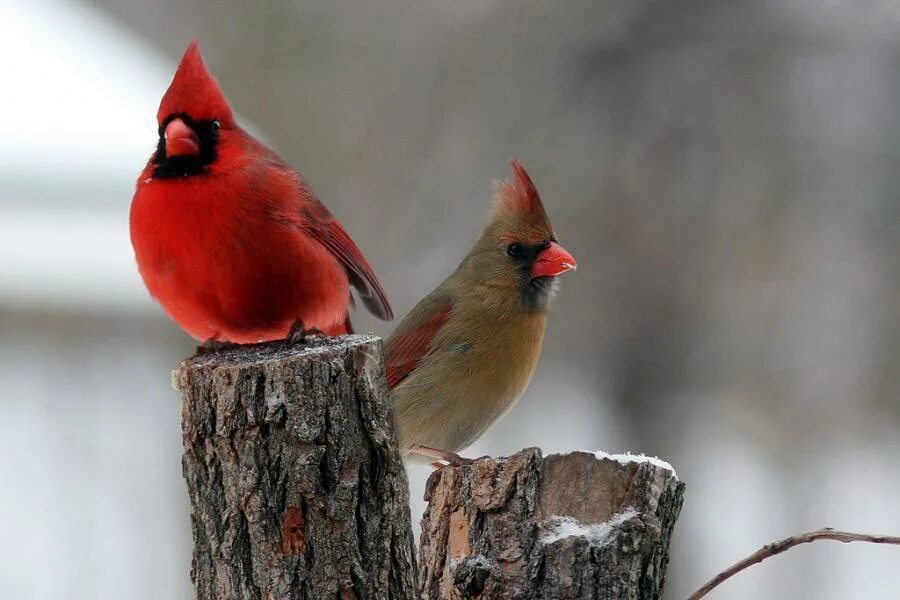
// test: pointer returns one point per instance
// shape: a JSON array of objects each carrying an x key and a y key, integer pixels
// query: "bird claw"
[
  {"x": 299, "y": 334},
  {"x": 451, "y": 458},
  {"x": 458, "y": 461},
  {"x": 213, "y": 345}
]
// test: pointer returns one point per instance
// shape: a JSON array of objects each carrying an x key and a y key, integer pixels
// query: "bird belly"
[
  {"x": 451, "y": 400},
  {"x": 244, "y": 283},
  {"x": 455, "y": 423}
]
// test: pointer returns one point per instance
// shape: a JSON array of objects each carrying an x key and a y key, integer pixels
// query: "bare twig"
[{"x": 780, "y": 546}]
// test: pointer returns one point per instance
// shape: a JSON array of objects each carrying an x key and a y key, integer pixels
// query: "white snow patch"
[
  {"x": 628, "y": 457},
  {"x": 596, "y": 533}
]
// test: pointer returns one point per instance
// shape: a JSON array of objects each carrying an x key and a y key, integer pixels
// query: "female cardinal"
[
  {"x": 467, "y": 351},
  {"x": 228, "y": 238}
]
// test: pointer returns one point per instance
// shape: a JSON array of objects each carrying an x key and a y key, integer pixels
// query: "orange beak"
[
  {"x": 552, "y": 261},
  {"x": 181, "y": 139}
]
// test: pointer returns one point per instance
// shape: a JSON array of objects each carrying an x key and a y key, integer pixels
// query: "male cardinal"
[
  {"x": 228, "y": 238},
  {"x": 467, "y": 351}
]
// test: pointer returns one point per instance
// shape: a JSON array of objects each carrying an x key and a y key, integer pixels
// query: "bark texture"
[
  {"x": 297, "y": 488},
  {"x": 564, "y": 526}
]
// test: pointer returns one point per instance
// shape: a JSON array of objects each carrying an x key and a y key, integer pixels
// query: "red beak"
[
  {"x": 552, "y": 261},
  {"x": 181, "y": 139}
]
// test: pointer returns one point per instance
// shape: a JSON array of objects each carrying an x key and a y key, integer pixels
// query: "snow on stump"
[
  {"x": 296, "y": 484},
  {"x": 577, "y": 525}
]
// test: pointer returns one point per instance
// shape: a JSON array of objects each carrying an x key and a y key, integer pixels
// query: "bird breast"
[{"x": 470, "y": 382}]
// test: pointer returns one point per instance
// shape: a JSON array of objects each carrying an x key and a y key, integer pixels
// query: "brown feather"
[
  {"x": 468, "y": 350},
  {"x": 406, "y": 350}
]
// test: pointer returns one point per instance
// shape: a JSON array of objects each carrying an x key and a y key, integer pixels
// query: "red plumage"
[
  {"x": 194, "y": 91},
  {"x": 228, "y": 238}
]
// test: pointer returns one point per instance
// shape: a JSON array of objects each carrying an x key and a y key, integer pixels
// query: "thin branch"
[{"x": 780, "y": 546}]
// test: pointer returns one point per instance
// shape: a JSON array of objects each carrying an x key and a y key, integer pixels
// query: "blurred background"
[{"x": 726, "y": 174}]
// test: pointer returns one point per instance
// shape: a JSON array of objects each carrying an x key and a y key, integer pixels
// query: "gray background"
[{"x": 724, "y": 172}]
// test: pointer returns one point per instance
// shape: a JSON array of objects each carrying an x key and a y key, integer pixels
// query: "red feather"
[
  {"x": 195, "y": 92},
  {"x": 316, "y": 220},
  {"x": 406, "y": 350},
  {"x": 322, "y": 225},
  {"x": 240, "y": 248},
  {"x": 520, "y": 194}
]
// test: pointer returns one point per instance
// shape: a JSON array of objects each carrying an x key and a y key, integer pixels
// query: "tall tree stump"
[
  {"x": 577, "y": 525},
  {"x": 296, "y": 485}
]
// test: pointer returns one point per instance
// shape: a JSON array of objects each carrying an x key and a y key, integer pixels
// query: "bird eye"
[
  {"x": 216, "y": 126},
  {"x": 515, "y": 250}
]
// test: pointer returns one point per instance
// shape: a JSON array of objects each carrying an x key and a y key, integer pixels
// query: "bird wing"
[
  {"x": 411, "y": 344},
  {"x": 319, "y": 223},
  {"x": 322, "y": 226}
]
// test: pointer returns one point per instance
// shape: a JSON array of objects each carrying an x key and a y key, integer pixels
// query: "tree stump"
[
  {"x": 577, "y": 525},
  {"x": 296, "y": 484}
]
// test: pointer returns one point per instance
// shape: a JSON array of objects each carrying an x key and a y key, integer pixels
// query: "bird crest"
[
  {"x": 195, "y": 92},
  {"x": 518, "y": 199}
]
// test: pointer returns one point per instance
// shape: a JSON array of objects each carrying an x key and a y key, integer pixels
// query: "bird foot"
[
  {"x": 451, "y": 458},
  {"x": 299, "y": 334},
  {"x": 213, "y": 345}
]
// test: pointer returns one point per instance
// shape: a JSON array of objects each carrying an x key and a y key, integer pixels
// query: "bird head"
[
  {"x": 519, "y": 250},
  {"x": 193, "y": 115}
]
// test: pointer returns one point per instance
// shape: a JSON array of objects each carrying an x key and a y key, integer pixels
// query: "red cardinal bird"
[
  {"x": 467, "y": 351},
  {"x": 228, "y": 238}
]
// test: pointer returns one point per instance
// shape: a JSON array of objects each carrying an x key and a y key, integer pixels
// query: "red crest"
[{"x": 195, "y": 92}]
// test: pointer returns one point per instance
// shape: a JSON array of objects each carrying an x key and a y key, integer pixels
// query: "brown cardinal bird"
[
  {"x": 467, "y": 351},
  {"x": 228, "y": 238}
]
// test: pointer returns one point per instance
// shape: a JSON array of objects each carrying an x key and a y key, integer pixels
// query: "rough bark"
[
  {"x": 297, "y": 488},
  {"x": 564, "y": 526}
]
